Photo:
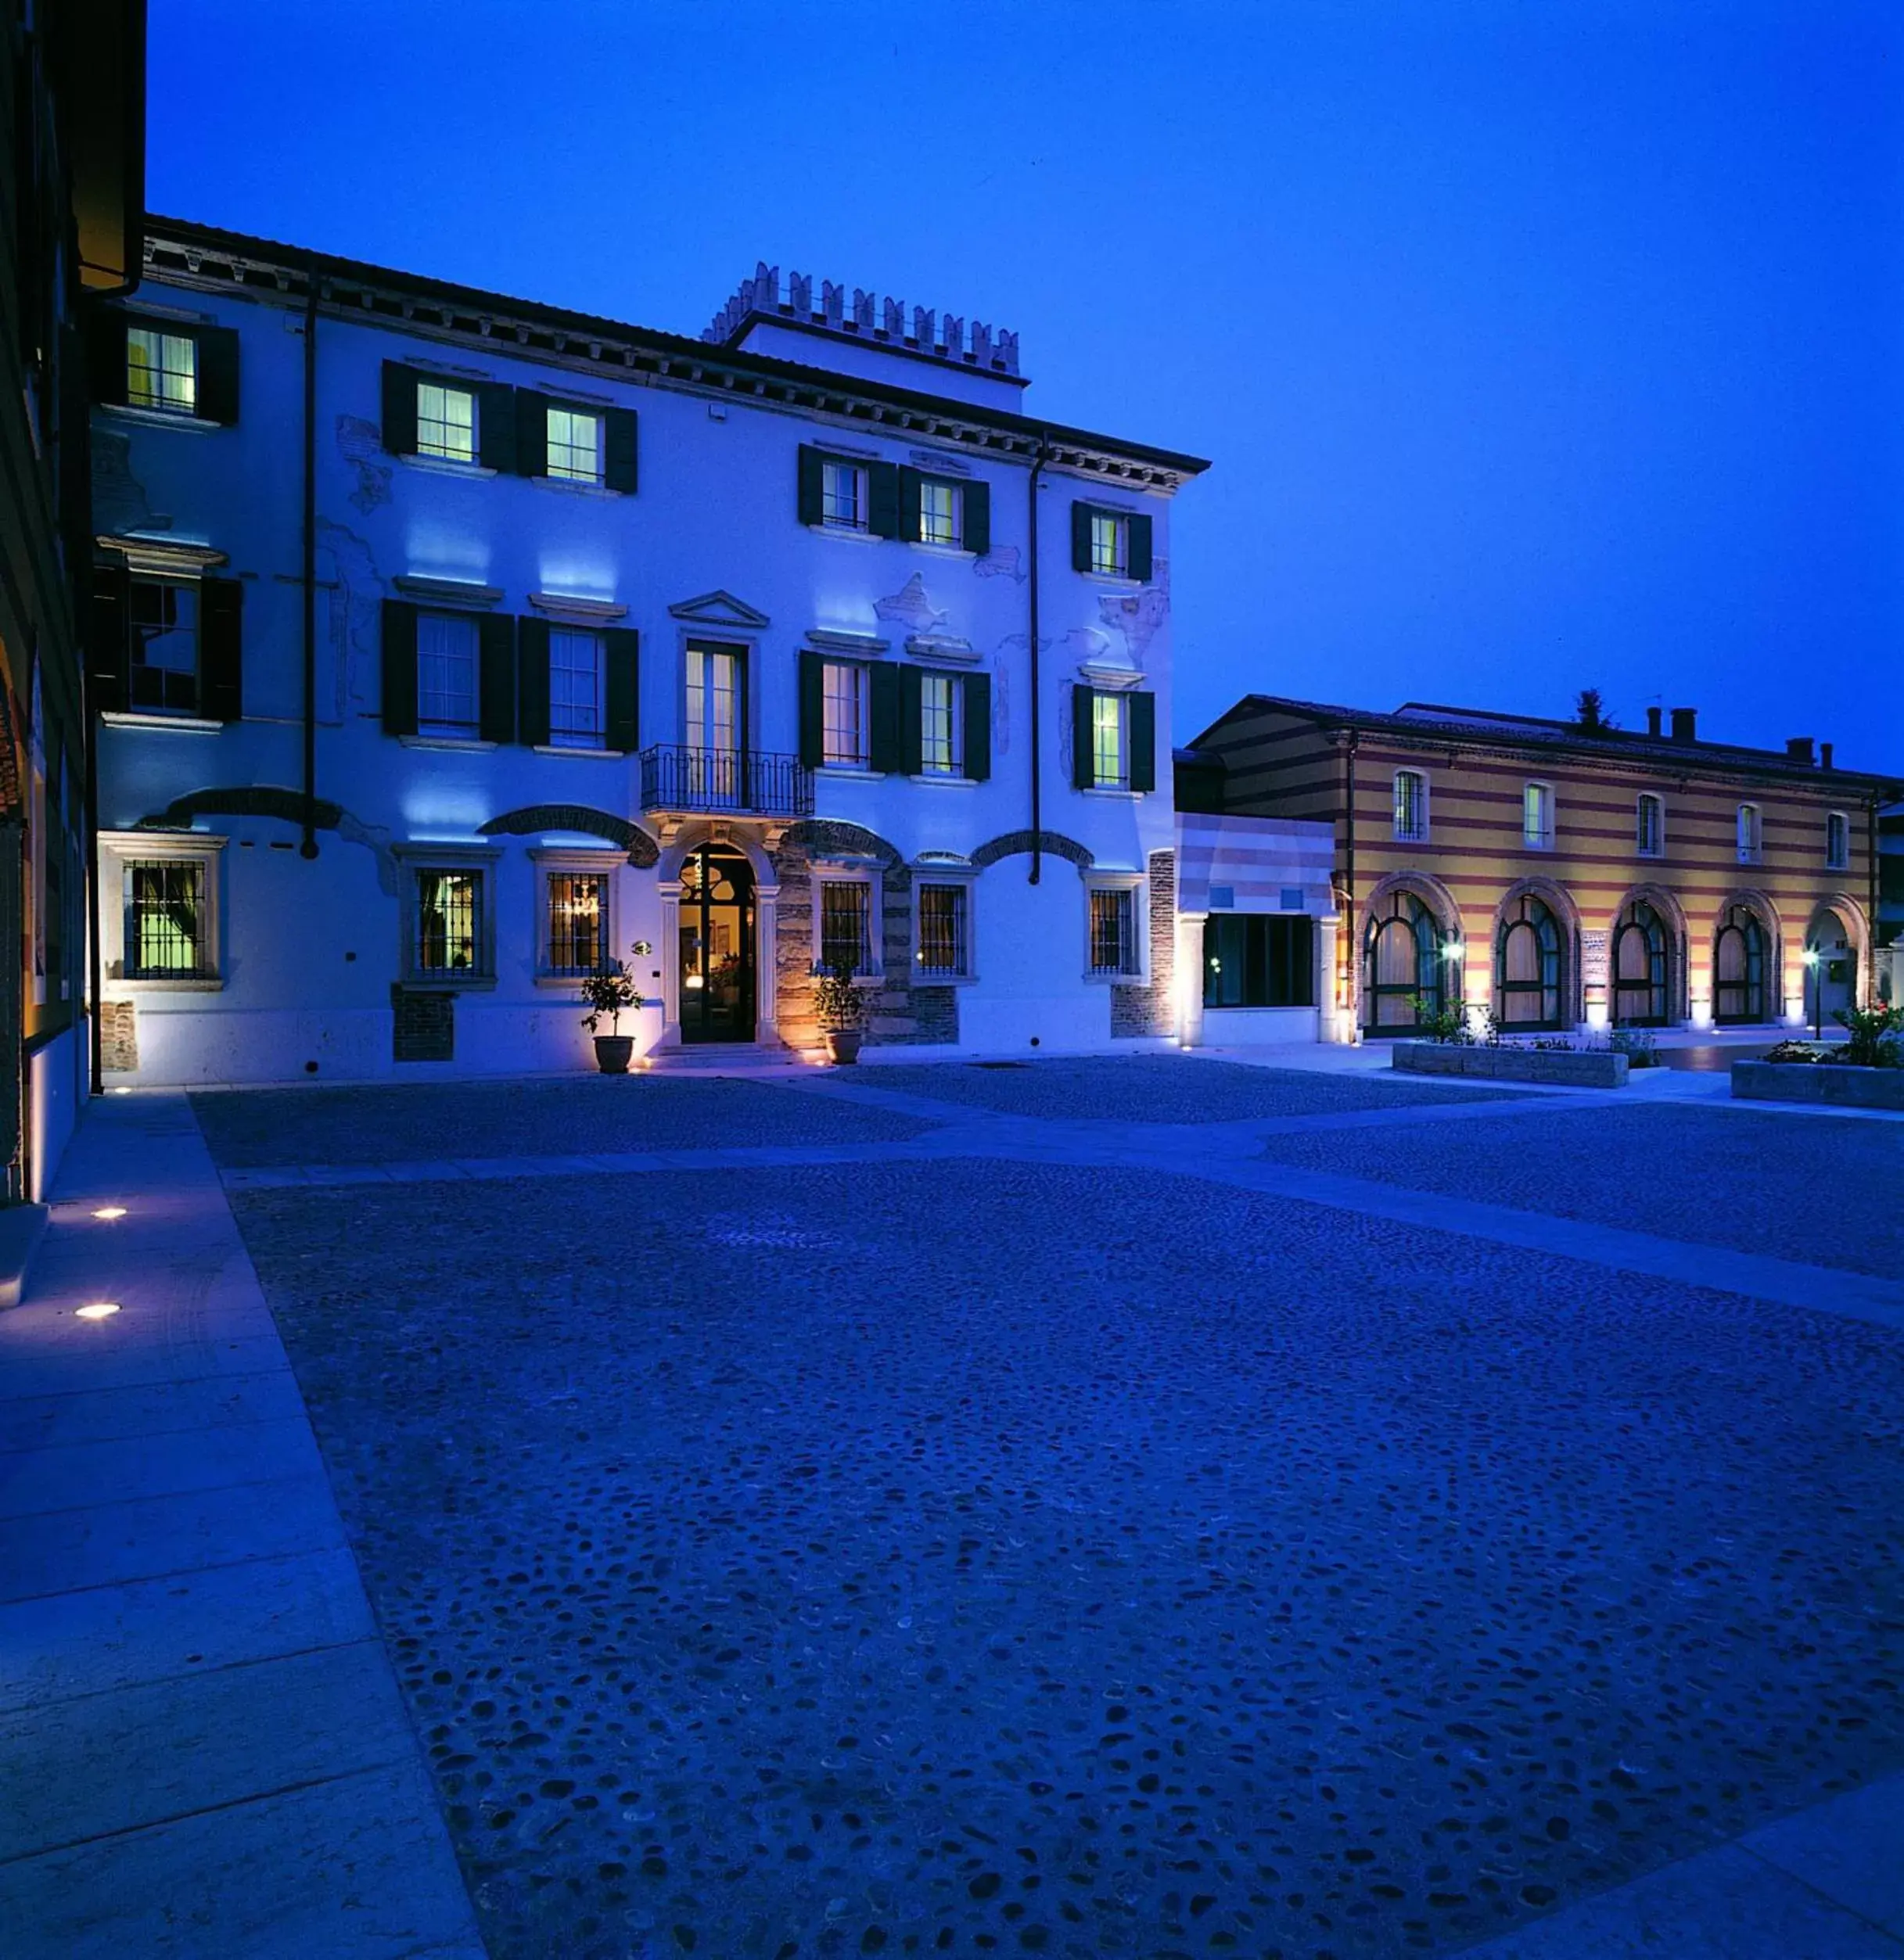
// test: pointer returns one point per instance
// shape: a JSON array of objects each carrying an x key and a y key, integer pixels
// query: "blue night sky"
[{"x": 1536, "y": 346}]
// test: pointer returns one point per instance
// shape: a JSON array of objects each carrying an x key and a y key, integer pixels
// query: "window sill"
[
  {"x": 1410, "y": 837},
  {"x": 1116, "y": 980},
  {"x": 921, "y": 978},
  {"x": 933, "y": 549},
  {"x": 586, "y": 755},
  {"x": 848, "y": 773},
  {"x": 463, "y": 744},
  {"x": 175, "y": 724},
  {"x": 1122, "y": 581},
  {"x": 162, "y": 418},
  {"x": 870, "y": 980},
  {"x": 1116, "y": 794},
  {"x": 448, "y": 983},
  {"x": 578, "y": 485},
  {"x": 849, "y": 534},
  {"x": 446, "y": 466},
  {"x": 184, "y": 983},
  {"x": 936, "y": 779}
]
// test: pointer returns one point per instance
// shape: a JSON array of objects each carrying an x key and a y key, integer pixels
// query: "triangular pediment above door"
[{"x": 718, "y": 609}]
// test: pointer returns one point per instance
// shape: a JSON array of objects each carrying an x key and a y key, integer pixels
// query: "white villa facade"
[{"x": 447, "y": 645}]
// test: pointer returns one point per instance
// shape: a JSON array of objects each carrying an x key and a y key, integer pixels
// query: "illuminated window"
[
  {"x": 1650, "y": 827},
  {"x": 1410, "y": 807},
  {"x": 576, "y": 689},
  {"x": 1537, "y": 817},
  {"x": 846, "y": 716},
  {"x": 942, "y": 945},
  {"x": 939, "y": 513},
  {"x": 164, "y": 654},
  {"x": 1110, "y": 543},
  {"x": 445, "y": 422},
  {"x": 574, "y": 445},
  {"x": 162, "y": 370},
  {"x": 164, "y": 903},
  {"x": 1837, "y": 842},
  {"x": 1113, "y": 930},
  {"x": 578, "y": 918},
  {"x": 449, "y": 922},
  {"x": 941, "y": 735},
  {"x": 845, "y": 925},
  {"x": 1751, "y": 834},
  {"x": 445, "y": 673},
  {"x": 1110, "y": 745},
  {"x": 843, "y": 496}
]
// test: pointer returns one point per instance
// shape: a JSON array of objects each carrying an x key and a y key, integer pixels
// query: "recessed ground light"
[
  {"x": 122, "y": 1091},
  {"x": 110, "y": 1211},
  {"x": 99, "y": 1310}
]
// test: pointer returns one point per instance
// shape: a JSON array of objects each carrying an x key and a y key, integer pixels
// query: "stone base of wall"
[
  {"x": 119, "y": 1036},
  {"x": 423, "y": 1024},
  {"x": 1806, "y": 1082},
  {"x": 1152, "y": 1010},
  {"x": 1599, "y": 1069}
]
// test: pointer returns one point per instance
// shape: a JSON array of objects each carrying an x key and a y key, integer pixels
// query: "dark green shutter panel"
[
  {"x": 1080, "y": 537},
  {"x": 399, "y": 663},
  {"x": 813, "y": 484},
  {"x": 399, "y": 408},
  {"x": 912, "y": 753},
  {"x": 1141, "y": 549},
  {"x": 496, "y": 686},
  {"x": 495, "y": 426},
  {"x": 883, "y": 747},
  {"x": 1142, "y": 740},
  {"x": 618, "y": 451},
  {"x": 911, "y": 502},
  {"x": 813, "y": 710},
  {"x": 218, "y": 381},
  {"x": 882, "y": 500},
  {"x": 1084, "y": 760},
  {"x": 108, "y": 642},
  {"x": 222, "y": 667},
  {"x": 531, "y": 433},
  {"x": 978, "y": 705},
  {"x": 106, "y": 356},
  {"x": 621, "y": 647},
  {"x": 977, "y": 536},
  {"x": 532, "y": 679}
]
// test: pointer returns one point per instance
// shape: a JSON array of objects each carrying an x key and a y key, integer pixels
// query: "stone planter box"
[
  {"x": 1814, "y": 1081},
  {"x": 1596, "y": 1069}
]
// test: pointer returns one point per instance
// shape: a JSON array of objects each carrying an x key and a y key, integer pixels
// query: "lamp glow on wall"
[{"x": 1815, "y": 980}]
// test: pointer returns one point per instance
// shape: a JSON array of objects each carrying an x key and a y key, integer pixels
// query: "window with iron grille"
[
  {"x": 1110, "y": 543},
  {"x": 574, "y": 445},
  {"x": 1113, "y": 931},
  {"x": 576, "y": 689},
  {"x": 1650, "y": 836},
  {"x": 1410, "y": 807},
  {"x": 942, "y": 930},
  {"x": 1837, "y": 842},
  {"x": 845, "y": 925},
  {"x": 1751, "y": 834},
  {"x": 843, "y": 496},
  {"x": 939, "y": 513},
  {"x": 578, "y": 915},
  {"x": 445, "y": 673},
  {"x": 941, "y": 745},
  {"x": 164, "y": 901},
  {"x": 449, "y": 922},
  {"x": 846, "y": 715},
  {"x": 162, "y": 370},
  {"x": 445, "y": 422},
  {"x": 164, "y": 651}
]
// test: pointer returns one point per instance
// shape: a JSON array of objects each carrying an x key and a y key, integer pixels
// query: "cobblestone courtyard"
[{"x": 966, "y": 1510}]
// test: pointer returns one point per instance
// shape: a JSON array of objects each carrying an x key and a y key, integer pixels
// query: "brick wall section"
[
  {"x": 1137, "y": 1012},
  {"x": 119, "y": 1036},
  {"x": 423, "y": 1024}
]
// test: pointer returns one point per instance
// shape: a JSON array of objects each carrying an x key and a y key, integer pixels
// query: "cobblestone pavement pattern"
[{"x": 992, "y": 1556}]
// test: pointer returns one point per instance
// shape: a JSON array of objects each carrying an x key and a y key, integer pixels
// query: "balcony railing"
[{"x": 744, "y": 783}]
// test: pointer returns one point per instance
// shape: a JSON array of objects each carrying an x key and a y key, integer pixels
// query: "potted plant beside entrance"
[
  {"x": 840, "y": 1008},
  {"x": 610, "y": 992}
]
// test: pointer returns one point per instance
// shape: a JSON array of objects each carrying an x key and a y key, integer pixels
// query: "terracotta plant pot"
[
  {"x": 842, "y": 1045},
  {"x": 613, "y": 1054}
]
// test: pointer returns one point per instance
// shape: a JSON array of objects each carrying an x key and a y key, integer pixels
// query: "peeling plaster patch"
[
  {"x": 119, "y": 500},
  {"x": 1001, "y": 709},
  {"x": 376, "y": 840},
  {"x": 355, "y": 605},
  {"x": 1002, "y": 563},
  {"x": 1084, "y": 646},
  {"x": 1136, "y": 615},
  {"x": 360, "y": 444},
  {"x": 909, "y": 607}
]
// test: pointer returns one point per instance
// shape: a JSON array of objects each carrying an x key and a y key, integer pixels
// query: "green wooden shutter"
[
  {"x": 1083, "y": 759},
  {"x": 813, "y": 710},
  {"x": 496, "y": 426},
  {"x": 1139, "y": 567},
  {"x": 619, "y": 447},
  {"x": 399, "y": 664},
  {"x": 885, "y": 744},
  {"x": 531, "y": 433},
  {"x": 1080, "y": 537},
  {"x": 532, "y": 716},
  {"x": 222, "y": 667},
  {"x": 1142, "y": 740},
  {"x": 399, "y": 408},
  {"x": 217, "y": 376},
  {"x": 813, "y": 491},
  {"x": 621, "y": 647},
  {"x": 495, "y": 685},
  {"x": 911, "y": 754},
  {"x": 911, "y": 485},
  {"x": 882, "y": 500},
  {"x": 106, "y": 356},
  {"x": 976, "y": 533},
  {"x": 108, "y": 637},
  {"x": 978, "y": 705}
]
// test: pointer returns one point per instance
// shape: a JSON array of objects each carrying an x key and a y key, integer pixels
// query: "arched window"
[
  {"x": 1739, "y": 967},
  {"x": 1401, "y": 960},
  {"x": 1527, "y": 967},
  {"x": 1641, "y": 968}
]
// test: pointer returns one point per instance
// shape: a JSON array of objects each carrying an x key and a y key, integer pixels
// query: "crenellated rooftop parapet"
[{"x": 867, "y": 317}]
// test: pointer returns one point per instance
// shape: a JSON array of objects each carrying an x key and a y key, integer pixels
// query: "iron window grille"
[
  {"x": 846, "y": 716},
  {"x": 1410, "y": 807},
  {"x": 1110, "y": 545},
  {"x": 574, "y": 446},
  {"x": 939, "y": 513},
  {"x": 1837, "y": 842},
  {"x": 445, "y": 422},
  {"x": 1640, "y": 968},
  {"x": 1113, "y": 931},
  {"x": 940, "y": 745},
  {"x": 1751, "y": 834},
  {"x": 577, "y": 689},
  {"x": 942, "y": 930},
  {"x": 449, "y": 922},
  {"x": 445, "y": 673},
  {"x": 162, "y": 370},
  {"x": 845, "y": 925},
  {"x": 164, "y": 651},
  {"x": 843, "y": 496},
  {"x": 1739, "y": 962},
  {"x": 1650, "y": 835},
  {"x": 164, "y": 916},
  {"x": 578, "y": 911}
]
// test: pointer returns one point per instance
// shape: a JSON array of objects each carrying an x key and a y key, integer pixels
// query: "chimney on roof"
[
  {"x": 1824, "y": 755},
  {"x": 1685, "y": 724},
  {"x": 1652, "y": 723},
  {"x": 1798, "y": 749}
]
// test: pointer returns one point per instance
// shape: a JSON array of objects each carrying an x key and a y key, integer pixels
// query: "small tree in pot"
[
  {"x": 840, "y": 1008},
  {"x": 610, "y": 992}
]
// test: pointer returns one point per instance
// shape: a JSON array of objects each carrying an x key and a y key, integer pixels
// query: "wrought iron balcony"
[{"x": 737, "y": 782}]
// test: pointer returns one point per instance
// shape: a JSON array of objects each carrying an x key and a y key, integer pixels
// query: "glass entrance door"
[{"x": 716, "y": 946}]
